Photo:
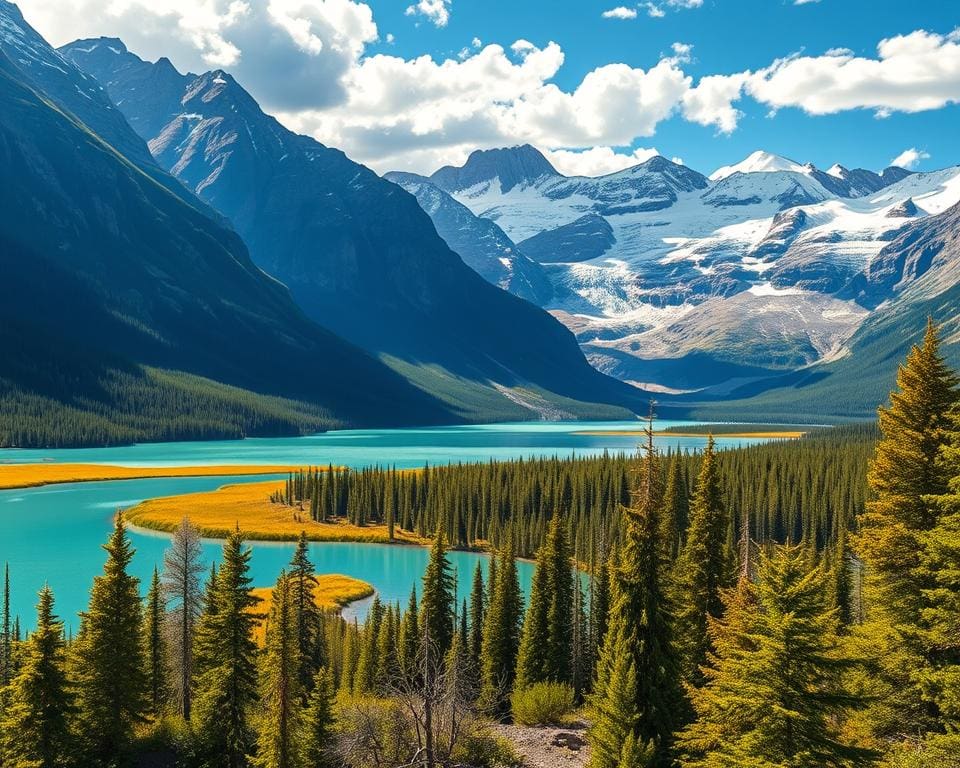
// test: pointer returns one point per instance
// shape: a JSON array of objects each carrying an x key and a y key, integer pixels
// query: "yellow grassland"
[
  {"x": 333, "y": 591},
  {"x": 247, "y": 505},
  {"x": 31, "y": 475}
]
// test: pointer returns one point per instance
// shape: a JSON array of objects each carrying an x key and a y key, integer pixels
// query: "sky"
[{"x": 598, "y": 86}]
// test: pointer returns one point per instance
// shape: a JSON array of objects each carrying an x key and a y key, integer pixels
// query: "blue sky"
[{"x": 699, "y": 78}]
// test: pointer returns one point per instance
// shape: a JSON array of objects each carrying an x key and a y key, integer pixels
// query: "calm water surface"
[{"x": 53, "y": 534}]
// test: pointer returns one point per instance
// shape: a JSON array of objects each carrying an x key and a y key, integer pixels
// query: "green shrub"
[
  {"x": 483, "y": 749},
  {"x": 542, "y": 704}
]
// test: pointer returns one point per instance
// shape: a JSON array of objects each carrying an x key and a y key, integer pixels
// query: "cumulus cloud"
[
  {"x": 909, "y": 158},
  {"x": 597, "y": 161},
  {"x": 912, "y": 73},
  {"x": 437, "y": 11},
  {"x": 620, "y": 12},
  {"x": 805, "y": 2},
  {"x": 291, "y": 54}
]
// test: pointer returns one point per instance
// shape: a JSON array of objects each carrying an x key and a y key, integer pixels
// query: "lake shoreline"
[{"x": 15, "y": 476}]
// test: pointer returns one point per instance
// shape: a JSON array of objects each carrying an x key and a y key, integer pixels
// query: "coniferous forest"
[{"x": 793, "y": 604}]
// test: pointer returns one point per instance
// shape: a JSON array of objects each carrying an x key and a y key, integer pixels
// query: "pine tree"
[
  {"x": 774, "y": 693},
  {"x": 409, "y": 637},
  {"x": 477, "y": 610},
  {"x": 546, "y": 645},
  {"x": 226, "y": 687},
  {"x": 182, "y": 567},
  {"x": 388, "y": 654},
  {"x": 437, "y": 603},
  {"x": 640, "y": 628},
  {"x": 5, "y": 636},
  {"x": 108, "y": 656},
  {"x": 35, "y": 729},
  {"x": 154, "y": 647},
  {"x": 278, "y": 721},
  {"x": 599, "y": 607},
  {"x": 316, "y": 737},
  {"x": 368, "y": 663},
  {"x": 906, "y": 476},
  {"x": 308, "y": 617},
  {"x": 676, "y": 509},
  {"x": 501, "y": 637},
  {"x": 703, "y": 568}
]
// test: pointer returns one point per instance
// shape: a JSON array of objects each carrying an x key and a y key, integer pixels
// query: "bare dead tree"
[{"x": 182, "y": 567}]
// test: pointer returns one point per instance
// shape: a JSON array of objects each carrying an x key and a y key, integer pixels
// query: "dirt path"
[{"x": 548, "y": 747}]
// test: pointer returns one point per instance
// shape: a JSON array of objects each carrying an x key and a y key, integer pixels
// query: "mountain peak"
[
  {"x": 513, "y": 166},
  {"x": 759, "y": 162}
]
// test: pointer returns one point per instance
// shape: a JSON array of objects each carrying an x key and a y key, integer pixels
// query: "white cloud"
[
  {"x": 912, "y": 73},
  {"x": 620, "y": 12},
  {"x": 655, "y": 11},
  {"x": 437, "y": 11},
  {"x": 596, "y": 161},
  {"x": 909, "y": 158},
  {"x": 805, "y": 2}
]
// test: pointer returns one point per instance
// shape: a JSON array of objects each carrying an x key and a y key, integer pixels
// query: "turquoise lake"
[{"x": 52, "y": 534}]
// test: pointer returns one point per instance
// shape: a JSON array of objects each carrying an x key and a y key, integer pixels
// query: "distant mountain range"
[
  {"x": 697, "y": 286},
  {"x": 358, "y": 253}
]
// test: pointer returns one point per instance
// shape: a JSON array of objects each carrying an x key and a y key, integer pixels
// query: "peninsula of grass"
[
  {"x": 247, "y": 505},
  {"x": 32, "y": 475},
  {"x": 332, "y": 592}
]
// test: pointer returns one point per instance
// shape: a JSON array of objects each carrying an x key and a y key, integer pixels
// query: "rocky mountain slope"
[
  {"x": 357, "y": 252},
  {"x": 680, "y": 282},
  {"x": 116, "y": 290}
]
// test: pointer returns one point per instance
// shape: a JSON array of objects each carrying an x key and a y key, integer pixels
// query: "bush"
[
  {"x": 483, "y": 749},
  {"x": 542, "y": 704}
]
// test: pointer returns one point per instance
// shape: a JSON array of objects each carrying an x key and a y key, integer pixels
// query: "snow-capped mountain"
[{"x": 758, "y": 268}]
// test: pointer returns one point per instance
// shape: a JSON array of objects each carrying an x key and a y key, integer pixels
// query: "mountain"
[
  {"x": 357, "y": 251},
  {"x": 674, "y": 281},
  {"x": 128, "y": 314},
  {"x": 519, "y": 166},
  {"x": 482, "y": 245}
]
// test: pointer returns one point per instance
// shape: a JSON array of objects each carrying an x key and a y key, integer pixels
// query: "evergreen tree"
[
  {"x": 774, "y": 693},
  {"x": 501, "y": 637},
  {"x": 308, "y": 618},
  {"x": 676, "y": 509},
  {"x": 546, "y": 645},
  {"x": 703, "y": 568},
  {"x": 154, "y": 649},
  {"x": 35, "y": 729},
  {"x": 599, "y": 606},
  {"x": 182, "y": 567},
  {"x": 5, "y": 636},
  {"x": 477, "y": 610},
  {"x": 109, "y": 663},
  {"x": 368, "y": 662},
  {"x": 316, "y": 737},
  {"x": 437, "y": 603},
  {"x": 226, "y": 688},
  {"x": 409, "y": 637},
  {"x": 640, "y": 629},
  {"x": 906, "y": 476},
  {"x": 278, "y": 721}
]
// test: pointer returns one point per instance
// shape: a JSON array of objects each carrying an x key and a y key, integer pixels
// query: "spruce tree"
[
  {"x": 154, "y": 647},
  {"x": 501, "y": 637},
  {"x": 368, "y": 662},
  {"x": 775, "y": 693},
  {"x": 278, "y": 720},
  {"x": 226, "y": 688},
  {"x": 599, "y": 606},
  {"x": 546, "y": 645},
  {"x": 676, "y": 509},
  {"x": 6, "y": 639},
  {"x": 640, "y": 628},
  {"x": 409, "y": 637},
  {"x": 109, "y": 664},
  {"x": 308, "y": 617},
  {"x": 437, "y": 603},
  {"x": 182, "y": 568},
  {"x": 317, "y": 722},
  {"x": 35, "y": 729},
  {"x": 906, "y": 477},
  {"x": 477, "y": 610},
  {"x": 703, "y": 568}
]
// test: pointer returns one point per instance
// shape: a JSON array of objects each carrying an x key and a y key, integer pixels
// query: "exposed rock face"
[
  {"x": 357, "y": 251},
  {"x": 586, "y": 238}
]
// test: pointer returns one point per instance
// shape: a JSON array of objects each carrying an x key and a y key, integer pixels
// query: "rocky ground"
[{"x": 547, "y": 746}]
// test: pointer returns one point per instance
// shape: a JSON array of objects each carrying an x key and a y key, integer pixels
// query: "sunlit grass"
[
  {"x": 248, "y": 506},
  {"x": 773, "y": 435},
  {"x": 29, "y": 475},
  {"x": 333, "y": 591}
]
